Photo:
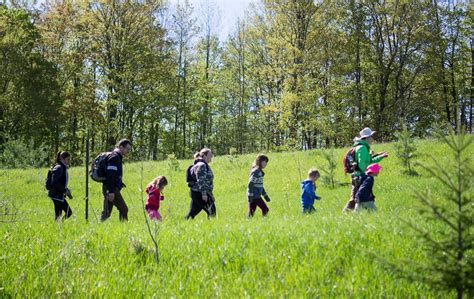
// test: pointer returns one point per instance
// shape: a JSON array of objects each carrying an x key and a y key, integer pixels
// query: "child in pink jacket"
[{"x": 154, "y": 190}]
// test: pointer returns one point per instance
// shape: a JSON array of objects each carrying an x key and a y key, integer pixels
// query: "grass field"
[{"x": 287, "y": 254}]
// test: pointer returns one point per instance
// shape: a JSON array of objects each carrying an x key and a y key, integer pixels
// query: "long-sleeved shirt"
[
  {"x": 308, "y": 193},
  {"x": 363, "y": 157},
  {"x": 154, "y": 197},
  {"x": 114, "y": 172},
  {"x": 204, "y": 177},
  {"x": 255, "y": 187}
]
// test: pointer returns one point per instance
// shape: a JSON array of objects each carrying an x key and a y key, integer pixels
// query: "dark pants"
[
  {"x": 254, "y": 203},
  {"x": 118, "y": 202},
  {"x": 308, "y": 209},
  {"x": 59, "y": 207},
  {"x": 350, "y": 205},
  {"x": 197, "y": 205}
]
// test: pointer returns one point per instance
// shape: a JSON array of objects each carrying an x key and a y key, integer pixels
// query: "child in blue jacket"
[{"x": 308, "y": 191}]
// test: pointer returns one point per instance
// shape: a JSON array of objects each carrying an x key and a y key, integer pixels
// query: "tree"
[{"x": 406, "y": 150}]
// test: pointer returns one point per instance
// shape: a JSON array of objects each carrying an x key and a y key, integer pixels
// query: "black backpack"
[
  {"x": 98, "y": 167},
  {"x": 48, "y": 183},
  {"x": 191, "y": 177}
]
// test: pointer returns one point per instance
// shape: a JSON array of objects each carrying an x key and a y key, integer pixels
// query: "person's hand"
[
  {"x": 383, "y": 154},
  {"x": 267, "y": 198},
  {"x": 110, "y": 197},
  {"x": 68, "y": 193},
  {"x": 204, "y": 198}
]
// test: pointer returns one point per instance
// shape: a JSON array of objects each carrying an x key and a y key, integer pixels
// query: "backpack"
[
  {"x": 349, "y": 162},
  {"x": 191, "y": 178},
  {"x": 48, "y": 183},
  {"x": 98, "y": 168}
]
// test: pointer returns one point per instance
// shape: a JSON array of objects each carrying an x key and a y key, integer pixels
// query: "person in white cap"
[{"x": 363, "y": 157}]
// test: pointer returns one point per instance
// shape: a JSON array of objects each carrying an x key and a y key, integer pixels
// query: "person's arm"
[
  {"x": 160, "y": 195},
  {"x": 379, "y": 157},
  {"x": 316, "y": 196},
  {"x": 111, "y": 174},
  {"x": 265, "y": 195},
  {"x": 202, "y": 185}
]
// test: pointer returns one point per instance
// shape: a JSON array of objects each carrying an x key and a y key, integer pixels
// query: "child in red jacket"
[{"x": 154, "y": 190}]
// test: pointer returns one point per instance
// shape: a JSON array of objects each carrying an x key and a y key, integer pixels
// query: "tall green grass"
[{"x": 287, "y": 254}]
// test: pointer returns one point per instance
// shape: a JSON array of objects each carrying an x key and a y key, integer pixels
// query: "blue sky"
[{"x": 230, "y": 12}]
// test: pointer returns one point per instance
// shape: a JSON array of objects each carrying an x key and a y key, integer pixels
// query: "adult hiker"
[
  {"x": 200, "y": 179},
  {"x": 113, "y": 184},
  {"x": 363, "y": 157},
  {"x": 57, "y": 185}
]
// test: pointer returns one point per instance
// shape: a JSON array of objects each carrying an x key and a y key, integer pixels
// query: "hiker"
[
  {"x": 113, "y": 184},
  {"x": 308, "y": 191},
  {"x": 364, "y": 197},
  {"x": 154, "y": 191},
  {"x": 363, "y": 158},
  {"x": 57, "y": 183},
  {"x": 255, "y": 189},
  {"x": 200, "y": 179}
]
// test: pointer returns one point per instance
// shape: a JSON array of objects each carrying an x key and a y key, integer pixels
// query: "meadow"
[{"x": 287, "y": 254}]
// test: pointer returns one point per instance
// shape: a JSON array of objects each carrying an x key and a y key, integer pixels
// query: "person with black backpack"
[
  {"x": 57, "y": 185},
  {"x": 362, "y": 156},
  {"x": 113, "y": 183},
  {"x": 200, "y": 179}
]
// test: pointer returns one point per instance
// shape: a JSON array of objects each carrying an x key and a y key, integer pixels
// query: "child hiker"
[
  {"x": 57, "y": 186},
  {"x": 154, "y": 191},
  {"x": 365, "y": 198},
  {"x": 255, "y": 190},
  {"x": 308, "y": 191}
]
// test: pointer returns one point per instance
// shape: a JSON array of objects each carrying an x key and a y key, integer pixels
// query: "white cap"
[{"x": 366, "y": 132}]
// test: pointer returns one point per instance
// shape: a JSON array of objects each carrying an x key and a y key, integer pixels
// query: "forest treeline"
[{"x": 291, "y": 75}]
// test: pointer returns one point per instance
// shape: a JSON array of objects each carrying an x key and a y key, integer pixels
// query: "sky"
[{"x": 230, "y": 12}]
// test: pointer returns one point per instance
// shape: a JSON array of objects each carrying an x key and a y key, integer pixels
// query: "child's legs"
[
  {"x": 369, "y": 205},
  {"x": 154, "y": 214},
  {"x": 252, "y": 207},
  {"x": 308, "y": 209},
  {"x": 262, "y": 205},
  {"x": 57, "y": 209}
]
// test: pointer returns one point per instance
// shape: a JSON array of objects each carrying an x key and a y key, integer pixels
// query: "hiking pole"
[{"x": 87, "y": 176}]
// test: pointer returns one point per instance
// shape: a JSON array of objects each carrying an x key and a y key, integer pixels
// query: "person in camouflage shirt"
[{"x": 201, "y": 185}]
